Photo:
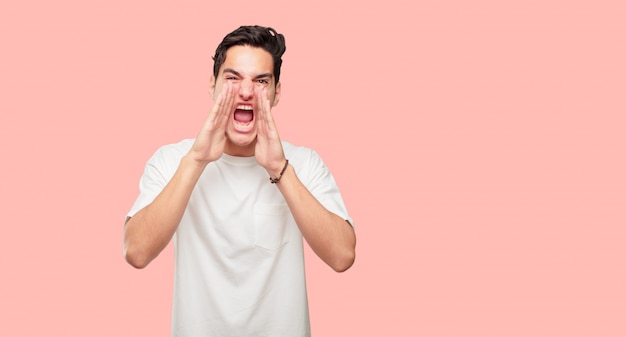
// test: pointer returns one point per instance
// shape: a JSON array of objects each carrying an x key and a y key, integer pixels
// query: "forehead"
[{"x": 248, "y": 60}]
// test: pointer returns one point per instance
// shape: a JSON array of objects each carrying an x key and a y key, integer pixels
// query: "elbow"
[
  {"x": 135, "y": 258},
  {"x": 136, "y": 263},
  {"x": 344, "y": 259},
  {"x": 135, "y": 253},
  {"x": 344, "y": 262}
]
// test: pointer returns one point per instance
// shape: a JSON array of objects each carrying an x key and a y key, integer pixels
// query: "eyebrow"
[{"x": 236, "y": 73}]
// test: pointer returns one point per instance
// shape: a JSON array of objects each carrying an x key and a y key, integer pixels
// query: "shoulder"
[
  {"x": 172, "y": 152},
  {"x": 306, "y": 161},
  {"x": 175, "y": 150},
  {"x": 297, "y": 153},
  {"x": 167, "y": 157}
]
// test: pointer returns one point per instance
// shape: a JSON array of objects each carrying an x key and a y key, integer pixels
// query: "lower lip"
[{"x": 243, "y": 128}]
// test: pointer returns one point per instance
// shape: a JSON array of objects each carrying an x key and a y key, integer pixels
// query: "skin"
[{"x": 246, "y": 77}]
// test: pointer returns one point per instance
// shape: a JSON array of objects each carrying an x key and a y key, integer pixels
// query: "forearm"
[
  {"x": 328, "y": 235},
  {"x": 149, "y": 231}
]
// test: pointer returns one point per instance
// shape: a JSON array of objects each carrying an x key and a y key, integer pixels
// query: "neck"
[{"x": 239, "y": 151}]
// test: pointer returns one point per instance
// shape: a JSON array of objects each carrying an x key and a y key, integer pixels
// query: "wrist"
[
  {"x": 188, "y": 160},
  {"x": 275, "y": 178}
]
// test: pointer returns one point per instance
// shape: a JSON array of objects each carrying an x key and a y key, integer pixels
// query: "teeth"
[{"x": 244, "y": 107}]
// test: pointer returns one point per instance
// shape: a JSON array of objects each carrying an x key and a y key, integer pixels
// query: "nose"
[{"x": 246, "y": 90}]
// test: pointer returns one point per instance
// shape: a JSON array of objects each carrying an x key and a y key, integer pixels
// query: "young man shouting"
[{"x": 237, "y": 201}]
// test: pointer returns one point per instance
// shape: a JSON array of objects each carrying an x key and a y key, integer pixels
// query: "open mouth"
[
  {"x": 244, "y": 114},
  {"x": 243, "y": 118}
]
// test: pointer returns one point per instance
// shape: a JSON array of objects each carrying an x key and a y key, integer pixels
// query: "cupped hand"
[
  {"x": 268, "y": 149},
  {"x": 210, "y": 142}
]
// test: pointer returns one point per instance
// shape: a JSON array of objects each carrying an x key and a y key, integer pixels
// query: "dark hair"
[{"x": 254, "y": 36}]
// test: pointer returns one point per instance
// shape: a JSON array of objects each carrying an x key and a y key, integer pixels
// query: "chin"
[{"x": 241, "y": 144}]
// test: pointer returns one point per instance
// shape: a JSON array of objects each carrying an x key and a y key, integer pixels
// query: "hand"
[
  {"x": 209, "y": 144},
  {"x": 268, "y": 149}
]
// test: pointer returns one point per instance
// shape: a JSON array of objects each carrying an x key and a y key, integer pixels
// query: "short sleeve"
[
  {"x": 157, "y": 173},
  {"x": 321, "y": 183}
]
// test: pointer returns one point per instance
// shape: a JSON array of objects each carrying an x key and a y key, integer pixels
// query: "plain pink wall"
[{"x": 480, "y": 147}]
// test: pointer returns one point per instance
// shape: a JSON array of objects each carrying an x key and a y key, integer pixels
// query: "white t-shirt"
[{"x": 239, "y": 263}]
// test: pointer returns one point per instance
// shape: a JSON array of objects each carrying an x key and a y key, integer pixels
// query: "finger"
[
  {"x": 259, "y": 104},
  {"x": 218, "y": 102},
  {"x": 230, "y": 98},
  {"x": 260, "y": 113},
  {"x": 268, "y": 109},
  {"x": 226, "y": 106},
  {"x": 263, "y": 106}
]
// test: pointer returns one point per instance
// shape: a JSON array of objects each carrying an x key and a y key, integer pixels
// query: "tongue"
[{"x": 243, "y": 116}]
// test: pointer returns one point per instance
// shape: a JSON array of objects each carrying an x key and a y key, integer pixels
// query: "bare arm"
[
  {"x": 149, "y": 231},
  {"x": 330, "y": 236}
]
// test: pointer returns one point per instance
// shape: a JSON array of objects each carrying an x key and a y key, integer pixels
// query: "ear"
[
  {"x": 212, "y": 87},
  {"x": 276, "y": 94}
]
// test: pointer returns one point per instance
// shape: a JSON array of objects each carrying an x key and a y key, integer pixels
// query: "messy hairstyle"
[{"x": 254, "y": 36}]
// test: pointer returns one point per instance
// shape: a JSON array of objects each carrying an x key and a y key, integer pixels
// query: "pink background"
[{"x": 480, "y": 147}]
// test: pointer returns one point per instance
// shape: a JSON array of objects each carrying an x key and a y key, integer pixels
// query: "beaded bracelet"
[{"x": 275, "y": 180}]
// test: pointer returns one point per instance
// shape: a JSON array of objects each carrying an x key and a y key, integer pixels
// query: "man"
[{"x": 237, "y": 201}]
